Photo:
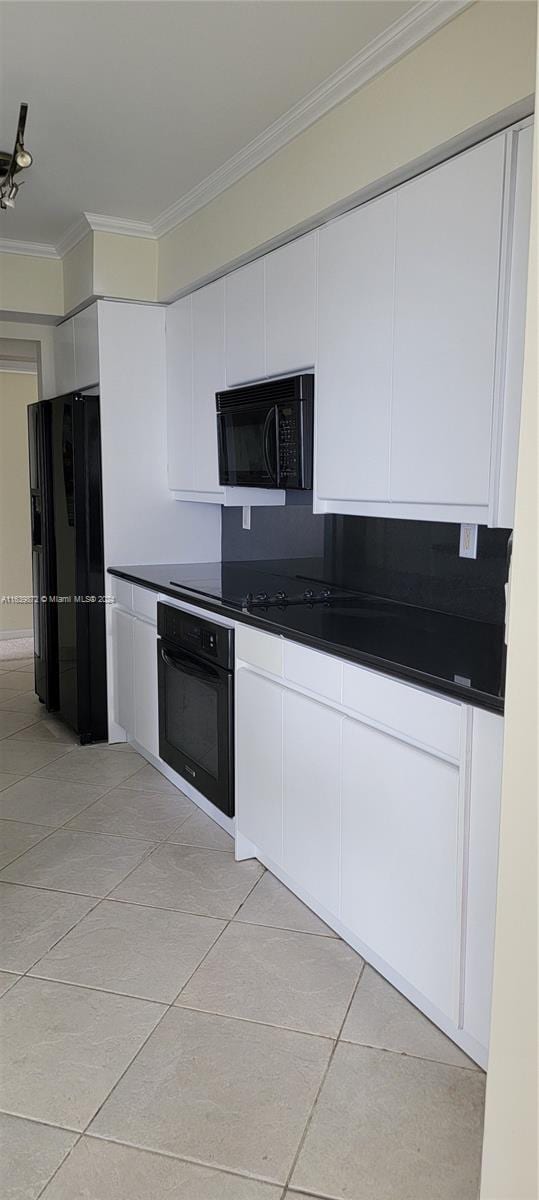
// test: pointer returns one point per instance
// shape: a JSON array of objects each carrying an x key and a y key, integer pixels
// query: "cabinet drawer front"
[
  {"x": 260, "y": 649},
  {"x": 145, "y": 604},
  {"x": 410, "y": 711},
  {"x": 122, "y": 592},
  {"x": 319, "y": 673}
]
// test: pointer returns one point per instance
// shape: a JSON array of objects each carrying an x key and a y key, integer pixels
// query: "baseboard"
[{"x": 7, "y": 635}]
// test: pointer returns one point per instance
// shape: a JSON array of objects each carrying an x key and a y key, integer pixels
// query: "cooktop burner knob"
[
  {"x": 325, "y": 594},
  {"x": 261, "y": 597},
  {"x": 308, "y": 594},
  {"x": 280, "y": 597},
  {"x": 248, "y": 599}
]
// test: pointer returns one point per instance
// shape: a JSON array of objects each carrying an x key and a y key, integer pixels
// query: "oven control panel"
[{"x": 188, "y": 632}]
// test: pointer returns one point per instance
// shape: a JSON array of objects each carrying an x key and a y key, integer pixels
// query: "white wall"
[
  {"x": 17, "y": 391},
  {"x": 510, "y": 1166},
  {"x": 43, "y": 335}
]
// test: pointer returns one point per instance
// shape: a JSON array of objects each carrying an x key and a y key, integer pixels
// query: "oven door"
[
  {"x": 247, "y": 437},
  {"x": 196, "y": 706}
]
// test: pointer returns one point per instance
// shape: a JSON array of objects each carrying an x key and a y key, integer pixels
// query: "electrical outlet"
[{"x": 468, "y": 541}]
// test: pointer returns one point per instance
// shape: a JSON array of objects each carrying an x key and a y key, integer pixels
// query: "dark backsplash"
[{"x": 414, "y": 562}]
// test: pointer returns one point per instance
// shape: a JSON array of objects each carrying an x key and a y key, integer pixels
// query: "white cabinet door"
[
  {"x": 179, "y": 355},
  {"x": 208, "y": 378},
  {"x": 146, "y": 724},
  {"x": 123, "y": 647},
  {"x": 311, "y": 798},
  {"x": 447, "y": 267},
  {"x": 486, "y": 777},
  {"x": 355, "y": 345},
  {"x": 64, "y": 358},
  {"x": 259, "y": 773},
  {"x": 86, "y": 347},
  {"x": 291, "y": 306},
  {"x": 400, "y": 827},
  {"x": 245, "y": 321}
]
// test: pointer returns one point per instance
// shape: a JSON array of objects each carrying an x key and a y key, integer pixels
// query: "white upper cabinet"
[
  {"x": 179, "y": 354},
  {"x": 446, "y": 296},
  {"x": 355, "y": 341},
  {"x": 76, "y": 352},
  {"x": 291, "y": 307},
  {"x": 245, "y": 324},
  {"x": 208, "y": 378},
  {"x": 86, "y": 347},
  {"x": 196, "y": 370},
  {"x": 420, "y": 343},
  {"x": 411, "y": 309},
  {"x": 64, "y": 358}
]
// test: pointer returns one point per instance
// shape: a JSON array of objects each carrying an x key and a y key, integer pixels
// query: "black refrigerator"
[{"x": 67, "y": 561}]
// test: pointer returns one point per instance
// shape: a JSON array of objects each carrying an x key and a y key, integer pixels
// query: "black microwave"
[{"x": 265, "y": 434}]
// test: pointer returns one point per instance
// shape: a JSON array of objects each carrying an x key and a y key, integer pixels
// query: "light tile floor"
[{"x": 178, "y": 1024}]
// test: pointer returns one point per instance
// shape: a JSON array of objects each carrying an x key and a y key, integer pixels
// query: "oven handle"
[
  {"x": 188, "y": 665},
  {"x": 273, "y": 415}
]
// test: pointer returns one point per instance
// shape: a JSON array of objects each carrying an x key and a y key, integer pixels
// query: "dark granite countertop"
[{"x": 452, "y": 655}]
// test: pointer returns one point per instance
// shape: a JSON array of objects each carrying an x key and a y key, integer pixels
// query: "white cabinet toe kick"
[{"x": 377, "y": 803}]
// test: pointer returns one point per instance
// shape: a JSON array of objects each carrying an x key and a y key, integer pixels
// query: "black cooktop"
[{"x": 453, "y": 655}]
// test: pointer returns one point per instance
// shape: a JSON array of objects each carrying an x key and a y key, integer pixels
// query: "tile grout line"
[
  {"x": 322, "y": 1082},
  {"x": 167, "y": 1009},
  {"x": 195, "y": 1162}
]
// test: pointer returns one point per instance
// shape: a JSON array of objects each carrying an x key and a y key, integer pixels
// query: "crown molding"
[
  {"x": 73, "y": 236},
  {"x": 402, "y": 36},
  {"x": 36, "y": 249},
  {"x": 102, "y": 224}
]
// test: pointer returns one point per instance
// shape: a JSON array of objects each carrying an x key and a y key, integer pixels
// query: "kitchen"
[{"x": 303, "y": 561}]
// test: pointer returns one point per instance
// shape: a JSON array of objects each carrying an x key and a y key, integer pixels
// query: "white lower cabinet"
[
  {"x": 311, "y": 833},
  {"x": 387, "y": 822},
  {"x": 136, "y": 707},
  {"x": 400, "y": 850},
  {"x": 146, "y": 723},
  {"x": 122, "y": 636},
  {"x": 259, "y": 745},
  {"x": 482, "y": 871}
]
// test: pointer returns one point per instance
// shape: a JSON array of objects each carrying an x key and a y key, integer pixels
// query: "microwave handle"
[{"x": 273, "y": 415}]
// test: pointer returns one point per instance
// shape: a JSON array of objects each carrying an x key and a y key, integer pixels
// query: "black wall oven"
[
  {"x": 265, "y": 434},
  {"x": 195, "y": 663}
]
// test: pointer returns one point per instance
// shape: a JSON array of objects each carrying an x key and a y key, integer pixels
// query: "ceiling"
[{"x": 131, "y": 105}]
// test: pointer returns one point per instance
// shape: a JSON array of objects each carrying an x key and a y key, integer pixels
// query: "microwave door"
[{"x": 248, "y": 446}]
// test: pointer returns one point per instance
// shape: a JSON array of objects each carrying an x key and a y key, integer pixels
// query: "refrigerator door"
[
  {"x": 43, "y": 555},
  {"x": 78, "y": 523}
]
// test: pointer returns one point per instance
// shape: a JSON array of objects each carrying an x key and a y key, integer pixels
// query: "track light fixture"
[{"x": 11, "y": 164}]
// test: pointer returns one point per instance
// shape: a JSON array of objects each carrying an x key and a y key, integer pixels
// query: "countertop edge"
[{"x": 490, "y": 703}]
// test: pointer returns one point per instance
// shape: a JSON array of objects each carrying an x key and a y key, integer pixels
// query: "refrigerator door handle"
[{"x": 35, "y": 520}]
